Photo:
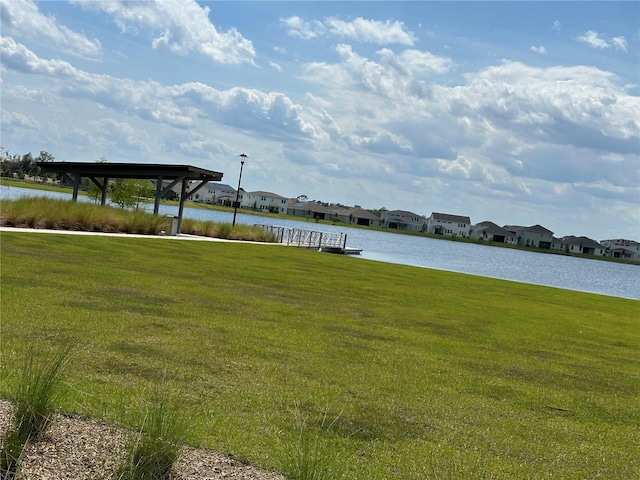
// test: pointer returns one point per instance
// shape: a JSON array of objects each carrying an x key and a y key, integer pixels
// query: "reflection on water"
[{"x": 571, "y": 273}]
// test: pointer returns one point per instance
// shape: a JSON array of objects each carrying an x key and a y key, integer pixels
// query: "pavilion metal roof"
[{"x": 132, "y": 170}]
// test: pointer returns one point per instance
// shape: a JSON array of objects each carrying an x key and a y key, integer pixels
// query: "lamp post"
[{"x": 235, "y": 205}]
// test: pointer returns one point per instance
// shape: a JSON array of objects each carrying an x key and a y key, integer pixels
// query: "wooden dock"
[{"x": 329, "y": 242}]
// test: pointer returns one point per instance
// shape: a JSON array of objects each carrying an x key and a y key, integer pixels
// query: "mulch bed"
[{"x": 79, "y": 448}]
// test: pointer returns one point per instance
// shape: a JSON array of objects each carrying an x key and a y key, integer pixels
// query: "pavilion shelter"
[{"x": 190, "y": 178}]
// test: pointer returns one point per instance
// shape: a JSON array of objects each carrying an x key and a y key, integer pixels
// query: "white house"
[
  {"x": 572, "y": 244},
  {"x": 402, "y": 220},
  {"x": 445, "y": 224},
  {"x": 215, "y": 194},
  {"x": 489, "y": 231},
  {"x": 621, "y": 248},
  {"x": 535, "y": 236},
  {"x": 264, "y": 202}
]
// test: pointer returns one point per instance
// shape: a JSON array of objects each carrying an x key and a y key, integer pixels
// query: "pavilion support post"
[
  {"x": 183, "y": 193},
  {"x": 105, "y": 185},
  {"x": 156, "y": 203},
  {"x": 76, "y": 186}
]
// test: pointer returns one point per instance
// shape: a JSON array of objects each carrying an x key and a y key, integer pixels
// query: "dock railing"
[{"x": 299, "y": 237}]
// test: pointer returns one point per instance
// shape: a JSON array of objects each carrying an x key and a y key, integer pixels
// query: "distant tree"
[
  {"x": 302, "y": 198},
  {"x": 45, "y": 157},
  {"x": 126, "y": 192}
]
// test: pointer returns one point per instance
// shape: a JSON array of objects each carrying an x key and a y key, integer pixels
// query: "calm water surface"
[{"x": 595, "y": 276}]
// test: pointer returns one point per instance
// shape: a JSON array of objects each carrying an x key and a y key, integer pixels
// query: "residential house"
[
  {"x": 216, "y": 194},
  {"x": 535, "y": 236},
  {"x": 572, "y": 244},
  {"x": 446, "y": 224},
  {"x": 264, "y": 202},
  {"x": 402, "y": 220},
  {"x": 621, "y": 248},
  {"x": 358, "y": 216},
  {"x": 489, "y": 231},
  {"x": 309, "y": 209}
]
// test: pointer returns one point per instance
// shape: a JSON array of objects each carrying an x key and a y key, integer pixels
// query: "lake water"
[{"x": 587, "y": 275}]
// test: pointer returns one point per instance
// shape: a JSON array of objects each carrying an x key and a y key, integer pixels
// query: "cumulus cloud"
[
  {"x": 179, "y": 105},
  {"x": 182, "y": 26},
  {"x": 394, "y": 74},
  {"x": 504, "y": 125},
  {"x": 359, "y": 29},
  {"x": 22, "y": 18},
  {"x": 539, "y": 49},
  {"x": 18, "y": 57},
  {"x": 120, "y": 134},
  {"x": 601, "y": 41},
  {"x": 619, "y": 43},
  {"x": 371, "y": 31},
  {"x": 14, "y": 119},
  {"x": 297, "y": 27}
]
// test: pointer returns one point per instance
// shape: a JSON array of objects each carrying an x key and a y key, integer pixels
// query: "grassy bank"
[
  {"x": 59, "y": 214},
  {"x": 395, "y": 371}
]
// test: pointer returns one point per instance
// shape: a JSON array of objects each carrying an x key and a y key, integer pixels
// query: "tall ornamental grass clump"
[
  {"x": 59, "y": 214},
  {"x": 154, "y": 449},
  {"x": 312, "y": 453},
  {"x": 37, "y": 390}
]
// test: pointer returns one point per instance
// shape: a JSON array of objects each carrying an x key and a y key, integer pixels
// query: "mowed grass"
[{"x": 419, "y": 373}]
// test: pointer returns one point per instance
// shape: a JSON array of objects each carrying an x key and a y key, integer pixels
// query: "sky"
[{"x": 519, "y": 113}]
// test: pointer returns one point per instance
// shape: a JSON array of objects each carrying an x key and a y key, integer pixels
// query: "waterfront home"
[
  {"x": 573, "y": 244},
  {"x": 622, "y": 248},
  {"x": 446, "y": 224},
  {"x": 402, "y": 220},
  {"x": 535, "y": 236},
  {"x": 216, "y": 194},
  {"x": 264, "y": 202},
  {"x": 309, "y": 209},
  {"x": 489, "y": 231},
  {"x": 357, "y": 216}
]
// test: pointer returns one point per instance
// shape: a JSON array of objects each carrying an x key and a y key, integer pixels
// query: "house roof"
[
  {"x": 265, "y": 194},
  {"x": 492, "y": 228},
  {"x": 310, "y": 206},
  {"x": 221, "y": 186},
  {"x": 358, "y": 212},
  {"x": 450, "y": 218},
  {"x": 534, "y": 228},
  {"x": 403, "y": 213},
  {"x": 584, "y": 241}
]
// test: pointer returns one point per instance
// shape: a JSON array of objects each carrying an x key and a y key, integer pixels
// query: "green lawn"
[{"x": 396, "y": 371}]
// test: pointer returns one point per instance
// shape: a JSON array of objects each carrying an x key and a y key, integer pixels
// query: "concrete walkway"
[{"x": 181, "y": 236}]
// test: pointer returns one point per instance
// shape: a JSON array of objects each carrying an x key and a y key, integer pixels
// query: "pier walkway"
[{"x": 323, "y": 241}]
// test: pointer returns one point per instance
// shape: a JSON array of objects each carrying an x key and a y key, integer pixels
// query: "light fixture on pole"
[{"x": 237, "y": 203}]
